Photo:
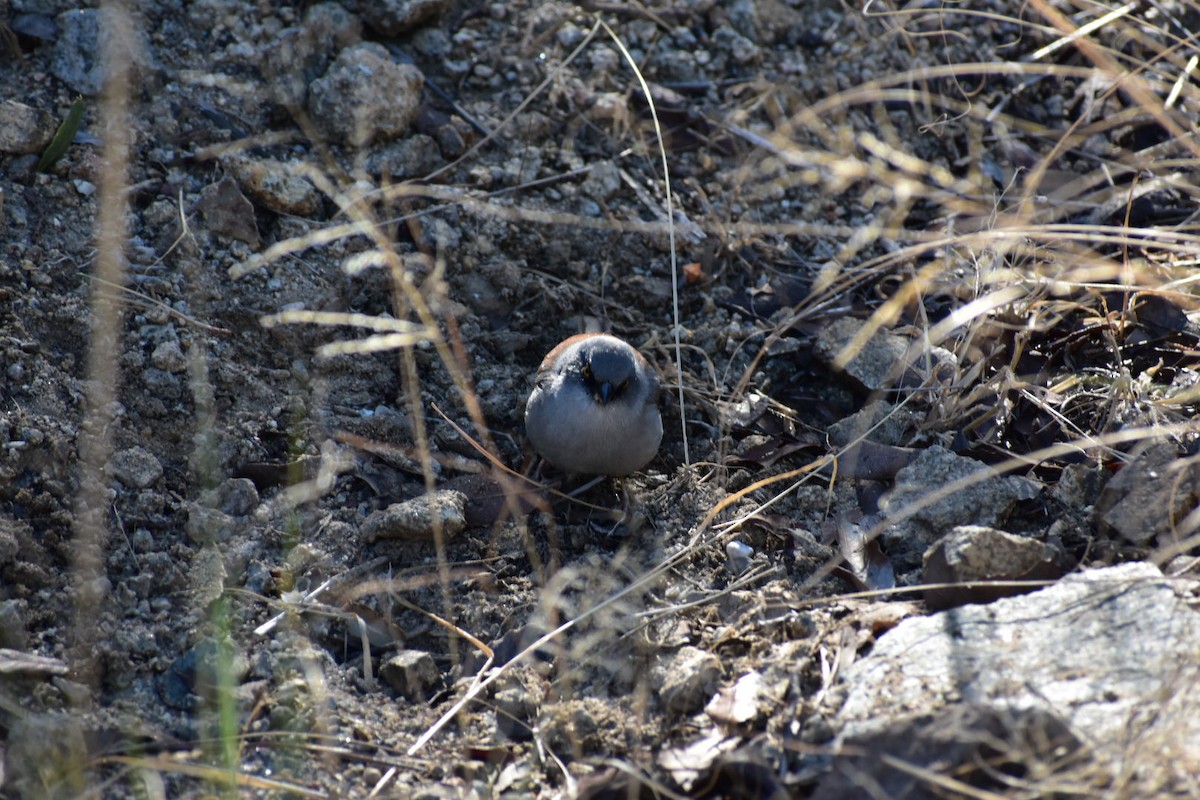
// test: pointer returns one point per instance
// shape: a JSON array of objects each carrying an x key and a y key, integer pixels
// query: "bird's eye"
[
  {"x": 624, "y": 384},
  {"x": 587, "y": 372}
]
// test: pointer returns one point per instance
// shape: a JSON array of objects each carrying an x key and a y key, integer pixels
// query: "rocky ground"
[{"x": 921, "y": 521}]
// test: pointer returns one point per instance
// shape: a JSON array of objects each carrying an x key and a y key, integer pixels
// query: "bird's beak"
[{"x": 605, "y": 390}]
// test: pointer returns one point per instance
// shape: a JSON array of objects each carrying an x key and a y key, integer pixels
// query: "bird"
[{"x": 594, "y": 407}]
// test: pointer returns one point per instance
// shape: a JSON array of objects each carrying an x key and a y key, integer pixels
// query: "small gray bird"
[{"x": 594, "y": 408}]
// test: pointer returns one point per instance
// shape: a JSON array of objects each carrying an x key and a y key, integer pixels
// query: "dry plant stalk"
[{"x": 89, "y": 551}]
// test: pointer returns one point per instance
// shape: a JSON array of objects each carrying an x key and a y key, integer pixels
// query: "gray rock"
[
  {"x": 300, "y": 55},
  {"x": 332, "y": 27},
  {"x": 977, "y": 557},
  {"x": 227, "y": 212},
  {"x": 602, "y": 181},
  {"x": 1079, "y": 485},
  {"x": 45, "y": 757},
  {"x": 365, "y": 97},
  {"x": 741, "y": 49},
  {"x": 687, "y": 679},
  {"x": 875, "y": 364},
  {"x": 13, "y": 632},
  {"x": 1149, "y": 497},
  {"x": 872, "y": 365},
  {"x": 417, "y": 520},
  {"x": 879, "y": 422},
  {"x": 515, "y": 711},
  {"x": 237, "y": 496},
  {"x": 10, "y": 545},
  {"x": 575, "y": 726},
  {"x": 411, "y": 157},
  {"x": 964, "y": 741},
  {"x": 395, "y": 17},
  {"x": 208, "y": 525},
  {"x": 412, "y": 673},
  {"x": 79, "y": 49},
  {"x": 276, "y": 185},
  {"x": 24, "y": 129},
  {"x": 169, "y": 356},
  {"x": 1110, "y": 651},
  {"x": 987, "y": 502},
  {"x": 136, "y": 467},
  {"x": 201, "y": 672},
  {"x": 163, "y": 386}
]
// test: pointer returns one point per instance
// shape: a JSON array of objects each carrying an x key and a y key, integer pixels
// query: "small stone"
[
  {"x": 44, "y": 756},
  {"x": 10, "y": 545},
  {"x": 412, "y": 157},
  {"x": 208, "y": 525},
  {"x": 77, "y": 694},
  {"x": 412, "y": 673},
  {"x": 602, "y": 182},
  {"x": 13, "y": 632},
  {"x": 874, "y": 363},
  {"x": 301, "y": 54},
  {"x": 169, "y": 356},
  {"x": 738, "y": 704},
  {"x": 869, "y": 364},
  {"x": 879, "y": 421},
  {"x": 515, "y": 710},
  {"x": 136, "y": 467},
  {"x": 569, "y": 34},
  {"x": 574, "y": 726},
  {"x": 417, "y": 520},
  {"x": 394, "y": 17},
  {"x": 200, "y": 673},
  {"x": 24, "y": 129},
  {"x": 332, "y": 26},
  {"x": 737, "y": 556},
  {"x": 975, "y": 557},
  {"x": 227, "y": 212},
  {"x": 1079, "y": 485},
  {"x": 989, "y": 501},
  {"x": 276, "y": 185},
  {"x": 688, "y": 679},
  {"x": 1150, "y": 496},
  {"x": 237, "y": 496},
  {"x": 365, "y": 97},
  {"x": 78, "y": 51}
]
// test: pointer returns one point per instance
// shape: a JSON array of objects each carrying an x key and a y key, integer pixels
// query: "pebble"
[
  {"x": 238, "y": 496},
  {"x": 13, "y": 632},
  {"x": 44, "y": 751},
  {"x": 227, "y": 212},
  {"x": 365, "y": 97},
  {"x": 738, "y": 555},
  {"x": 277, "y": 186},
  {"x": 414, "y": 520},
  {"x": 169, "y": 356},
  {"x": 971, "y": 558},
  {"x": 24, "y": 129},
  {"x": 412, "y": 673},
  {"x": 136, "y": 467},
  {"x": 688, "y": 679},
  {"x": 207, "y": 525},
  {"x": 395, "y": 17},
  {"x": 77, "y": 52}
]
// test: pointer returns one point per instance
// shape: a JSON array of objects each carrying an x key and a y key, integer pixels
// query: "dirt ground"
[{"x": 239, "y": 615}]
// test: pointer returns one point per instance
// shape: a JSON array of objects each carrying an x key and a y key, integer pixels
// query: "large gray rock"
[{"x": 1111, "y": 652}]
